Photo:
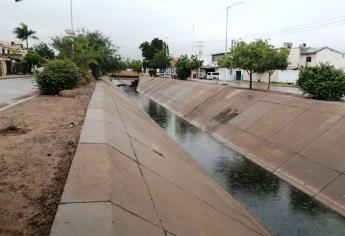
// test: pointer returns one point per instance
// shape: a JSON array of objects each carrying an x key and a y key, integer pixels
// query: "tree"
[
  {"x": 24, "y": 33},
  {"x": 31, "y": 60},
  {"x": 323, "y": 82},
  {"x": 44, "y": 51},
  {"x": 160, "y": 60},
  {"x": 185, "y": 65},
  {"x": 247, "y": 56},
  {"x": 155, "y": 55},
  {"x": 136, "y": 65},
  {"x": 89, "y": 51},
  {"x": 274, "y": 59}
]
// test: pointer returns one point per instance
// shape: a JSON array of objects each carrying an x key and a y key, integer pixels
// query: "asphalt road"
[{"x": 12, "y": 90}]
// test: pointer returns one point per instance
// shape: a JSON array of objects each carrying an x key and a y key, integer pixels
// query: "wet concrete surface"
[
  {"x": 12, "y": 90},
  {"x": 282, "y": 208}
]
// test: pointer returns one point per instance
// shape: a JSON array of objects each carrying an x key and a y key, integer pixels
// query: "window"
[{"x": 308, "y": 59}]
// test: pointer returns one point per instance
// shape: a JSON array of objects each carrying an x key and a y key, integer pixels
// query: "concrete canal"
[{"x": 283, "y": 209}]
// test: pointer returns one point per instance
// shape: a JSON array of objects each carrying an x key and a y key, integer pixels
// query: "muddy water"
[{"x": 283, "y": 209}]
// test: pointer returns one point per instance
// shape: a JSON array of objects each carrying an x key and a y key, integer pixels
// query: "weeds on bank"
[{"x": 12, "y": 127}]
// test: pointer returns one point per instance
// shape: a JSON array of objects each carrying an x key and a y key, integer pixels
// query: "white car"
[{"x": 212, "y": 75}]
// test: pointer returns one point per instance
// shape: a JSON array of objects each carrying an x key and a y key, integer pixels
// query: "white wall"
[
  {"x": 334, "y": 58},
  {"x": 224, "y": 74},
  {"x": 281, "y": 76},
  {"x": 294, "y": 58}
]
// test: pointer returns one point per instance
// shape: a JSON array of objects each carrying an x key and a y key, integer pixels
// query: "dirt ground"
[{"x": 38, "y": 139}]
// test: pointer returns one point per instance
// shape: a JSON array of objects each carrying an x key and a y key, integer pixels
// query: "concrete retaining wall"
[
  {"x": 300, "y": 140},
  {"x": 129, "y": 178}
]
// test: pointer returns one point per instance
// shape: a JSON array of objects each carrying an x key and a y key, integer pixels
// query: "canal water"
[{"x": 283, "y": 209}]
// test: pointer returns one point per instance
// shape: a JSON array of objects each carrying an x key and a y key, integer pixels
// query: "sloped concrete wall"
[
  {"x": 129, "y": 178},
  {"x": 300, "y": 140}
]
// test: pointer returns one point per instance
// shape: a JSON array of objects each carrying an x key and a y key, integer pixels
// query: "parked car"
[{"x": 212, "y": 76}]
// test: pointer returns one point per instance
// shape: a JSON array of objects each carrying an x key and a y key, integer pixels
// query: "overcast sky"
[{"x": 130, "y": 22}]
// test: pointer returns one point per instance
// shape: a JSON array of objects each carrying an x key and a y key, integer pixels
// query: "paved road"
[
  {"x": 12, "y": 90},
  {"x": 260, "y": 86}
]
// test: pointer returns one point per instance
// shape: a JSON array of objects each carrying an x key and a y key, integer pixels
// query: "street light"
[
  {"x": 226, "y": 31},
  {"x": 227, "y": 23}
]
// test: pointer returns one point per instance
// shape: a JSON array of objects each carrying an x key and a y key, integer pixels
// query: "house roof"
[
  {"x": 311, "y": 51},
  {"x": 218, "y": 54}
]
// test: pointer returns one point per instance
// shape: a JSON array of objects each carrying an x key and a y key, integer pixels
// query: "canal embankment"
[
  {"x": 298, "y": 139},
  {"x": 128, "y": 177}
]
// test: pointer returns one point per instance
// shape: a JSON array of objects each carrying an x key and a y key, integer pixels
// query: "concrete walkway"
[
  {"x": 257, "y": 86},
  {"x": 128, "y": 177},
  {"x": 14, "y": 89}
]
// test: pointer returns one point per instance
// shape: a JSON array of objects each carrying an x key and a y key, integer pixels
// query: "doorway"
[{"x": 238, "y": 75}]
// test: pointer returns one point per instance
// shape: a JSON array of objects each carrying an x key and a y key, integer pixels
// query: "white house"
[{"x": 298, "y": 57}]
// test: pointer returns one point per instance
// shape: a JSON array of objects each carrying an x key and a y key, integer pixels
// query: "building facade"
[
  {"x": 298, "y": 57},
  {"x": 10, "y": 55}
]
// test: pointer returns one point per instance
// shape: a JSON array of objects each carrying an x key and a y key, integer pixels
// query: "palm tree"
[{"x": 24, "y": 33}]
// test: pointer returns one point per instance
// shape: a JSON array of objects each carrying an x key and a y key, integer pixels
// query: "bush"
[
  {"x": 323, "y": 82},
  {"x": 57, "y": 75}
]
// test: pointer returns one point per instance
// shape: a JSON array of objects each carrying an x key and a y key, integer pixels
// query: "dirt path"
[{"x": 35, "y": 159}]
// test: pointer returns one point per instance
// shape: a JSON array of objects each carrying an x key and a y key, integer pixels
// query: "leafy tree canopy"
[
  {"x": 89, "y": 51},
  {"x": 256, "y": 56},
  {"x": 136, "y": 65},
  {"x": 31, "y": 60},
  {"x": 155, "y": 54},
  {"x": 44, "y": 51},
  {"x": 185, "y": 65}
]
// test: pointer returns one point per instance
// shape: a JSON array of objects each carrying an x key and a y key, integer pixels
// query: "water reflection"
[
  {"x": 283, "y": 209},
  {"x": 242, "y": 175}
]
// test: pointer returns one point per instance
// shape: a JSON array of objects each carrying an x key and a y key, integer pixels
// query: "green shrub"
[
  {"x": 56, "y": 76},
  {"x": 323, "y": 82}
]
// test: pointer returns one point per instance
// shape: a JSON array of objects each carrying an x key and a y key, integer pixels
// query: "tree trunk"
[
  {"x": 250, "y": 80},
  {"x": 269, "y": 81},
  {"x": 27, "y": 44}
]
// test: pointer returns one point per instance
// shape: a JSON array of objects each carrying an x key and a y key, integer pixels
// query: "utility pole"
[
  {"x": 200, "y": 46},
  {"x": 71, "y": 9},
  {"x": 226, "y": 31},
  {"x": 166, "y": 54}
]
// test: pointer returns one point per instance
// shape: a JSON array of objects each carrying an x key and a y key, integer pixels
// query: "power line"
[
  {"x": 304, "y": 27},
  {"x": 186, "y": 33},
  {"x": 77, "y": 14}
]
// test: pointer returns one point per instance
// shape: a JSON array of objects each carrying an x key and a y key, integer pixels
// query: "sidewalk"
[
  {"x": 14, "y": 76},
  {"x": 259, "y": 86}
]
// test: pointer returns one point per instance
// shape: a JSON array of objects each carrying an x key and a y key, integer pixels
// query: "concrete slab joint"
[{"x": 122, "y": 168}]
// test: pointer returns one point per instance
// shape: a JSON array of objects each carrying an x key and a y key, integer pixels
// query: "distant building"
[
  {"x": 298, "y": 57},
  {"x": 303, "y": 55},
  {"x": 10, "y": 54},
  {"x": 217, "y": 57}
]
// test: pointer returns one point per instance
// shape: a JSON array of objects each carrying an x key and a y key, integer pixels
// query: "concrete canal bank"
[
  {"x": 300, "y": 140},
  {"x": 128, "y": 177}
]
